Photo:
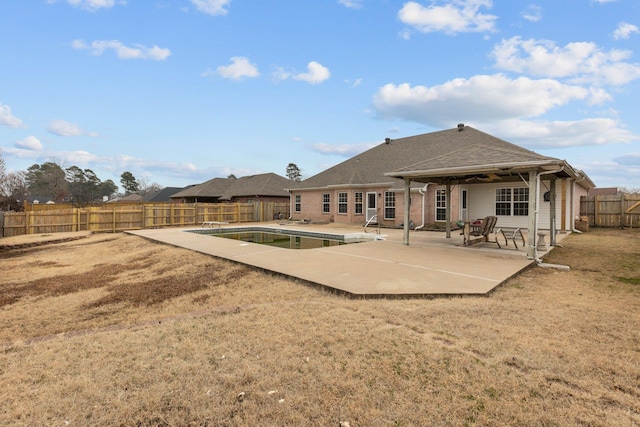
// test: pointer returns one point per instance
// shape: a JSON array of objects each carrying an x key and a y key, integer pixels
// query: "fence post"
[{"x": 144, "y": 216}]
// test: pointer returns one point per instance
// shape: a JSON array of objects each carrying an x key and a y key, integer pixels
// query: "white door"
[{"x": 371, "y": 206}]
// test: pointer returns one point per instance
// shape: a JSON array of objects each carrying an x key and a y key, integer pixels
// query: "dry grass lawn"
[{"x": 116, "y": 330}]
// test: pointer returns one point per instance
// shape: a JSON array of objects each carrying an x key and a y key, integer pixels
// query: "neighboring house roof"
[
  {"x": 262, "y": 185},
  {"x": 129, "y": 198},
  {"x": 605, "y": 191},
  {"x": 454, "y": 149},
  {"x": 39, "y": 199},
  {"x": 163, "y": 195}
]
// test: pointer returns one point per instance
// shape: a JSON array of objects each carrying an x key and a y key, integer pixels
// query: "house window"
[
  {"x": 359, "y": 203},
  {"x": 298, "y": 203},
  {"x": 441, "y": 205},
  {"x": 342, "y": 203},
  {"x": 389, "y": 205},
  {"x": 326, "y": 203},
  {"x": 503, "y": 201},
  {"x": 521, "y": 201},
  {"x": 512, "y": 201}
]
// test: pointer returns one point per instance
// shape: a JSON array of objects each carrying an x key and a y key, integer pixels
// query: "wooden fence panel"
[
  {"x": 116, "y": 217},
  {"x": 620, "y": 210}
]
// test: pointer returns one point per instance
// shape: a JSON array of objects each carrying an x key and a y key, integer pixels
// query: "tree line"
[{"x": 75, "y": 185}]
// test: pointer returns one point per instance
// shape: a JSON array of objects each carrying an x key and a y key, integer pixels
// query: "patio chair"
[{"x": 480, "y": 233}]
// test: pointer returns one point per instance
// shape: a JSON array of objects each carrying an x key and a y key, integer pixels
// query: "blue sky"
[{"x": 181, "y": 91}]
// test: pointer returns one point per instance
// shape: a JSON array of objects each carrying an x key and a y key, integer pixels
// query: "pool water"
[{"x": 281, "y": 240}]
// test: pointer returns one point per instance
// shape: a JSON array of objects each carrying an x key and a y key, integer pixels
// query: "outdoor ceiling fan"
[{"x": 484, "y": 178}]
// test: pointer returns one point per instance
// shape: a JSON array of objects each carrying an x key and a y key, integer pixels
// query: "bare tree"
[
  {"x": 145, "y": 188},
  {"x": 13, "y": 191},
  {"x": 3, "y": 168}
]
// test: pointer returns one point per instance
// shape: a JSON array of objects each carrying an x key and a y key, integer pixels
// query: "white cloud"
[
  {"x": 624, "y": 31},
  {"x": 352, "y": 4},
  {"x": 64, "y": 128},
  {"x": 480, "y": 98},
  {"x": 30, "y": 143},
  {"x": 456, "y": 16},
  {"x": 239, "y": 68},
  {"x": 90, "y": 5},
  {"x": 580, "y": 62},
  {"x": 629, "y": 159},
  {"x": 405, "y": 34},
  {"x": 8, "y": 119},
  {"x": 560, "y": 134},
  {"x": 532, "y": 13},
  {"x": 98, "y": 47},
  {"x": 212, "y": 7},
  {"x": 343, "y": 150},
  {"x": 317, "y": 73},
  {"x": 280, "y": 74}
]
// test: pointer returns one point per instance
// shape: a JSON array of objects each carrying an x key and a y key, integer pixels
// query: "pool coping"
[{"x": 341, "y": 237}]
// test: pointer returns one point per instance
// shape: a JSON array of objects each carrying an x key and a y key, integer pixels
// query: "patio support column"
[
  {"x": 407, "y": 210},
  {"x": 533, "y": 212},
  {"x": 552, "y": 211},
  {"x": 447, "y": 208}
]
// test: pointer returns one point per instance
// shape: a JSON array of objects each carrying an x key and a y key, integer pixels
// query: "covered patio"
[{"x": 480, "y": 164}]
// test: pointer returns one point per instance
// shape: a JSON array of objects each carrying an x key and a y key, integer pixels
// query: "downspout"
[
  {"x": 407, "y": 209},
  {"x": 423, "y": 192},
  {"x": 291, "y": 203}
]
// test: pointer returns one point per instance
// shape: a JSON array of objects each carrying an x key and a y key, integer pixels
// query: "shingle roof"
[
  {"x": 267, "y": 184},
  {"x": 163, "y": 195},
  {"x": 450, "y": 148},
  {"x": 212, "y": 188}
]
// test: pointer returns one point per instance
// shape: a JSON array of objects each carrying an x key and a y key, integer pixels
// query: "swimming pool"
[{"x": 287, "y": 239}]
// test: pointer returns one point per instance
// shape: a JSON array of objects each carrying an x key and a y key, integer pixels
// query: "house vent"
[
  {"x": 460, "y": 127},
  {"x": 387, "y": 141}
]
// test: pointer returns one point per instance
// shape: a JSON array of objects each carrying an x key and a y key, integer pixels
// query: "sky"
[{"x": 181, "y": 91}]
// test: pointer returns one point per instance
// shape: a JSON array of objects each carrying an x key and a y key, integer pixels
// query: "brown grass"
[{"x": 117, "y": 330}]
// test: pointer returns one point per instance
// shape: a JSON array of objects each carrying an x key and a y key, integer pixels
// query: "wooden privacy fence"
[
  {"x": 620, "y": 210},
  {"x": 134, "y": 217}
]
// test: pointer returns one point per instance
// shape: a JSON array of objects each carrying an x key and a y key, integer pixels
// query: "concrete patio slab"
[{"x": 430, "y": 265}]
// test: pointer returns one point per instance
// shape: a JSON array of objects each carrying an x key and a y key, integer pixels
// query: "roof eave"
[{"x": 465, "y": 170}]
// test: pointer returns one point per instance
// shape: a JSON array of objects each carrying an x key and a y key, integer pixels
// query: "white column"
[{"x": 533, "y": 212}]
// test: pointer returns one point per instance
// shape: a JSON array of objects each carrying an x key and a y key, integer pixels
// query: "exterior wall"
[
  {"x": 312, "y": 206},
  {"x": 482, "y": 202}
]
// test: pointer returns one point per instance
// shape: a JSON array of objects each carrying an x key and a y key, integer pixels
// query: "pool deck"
[{"x": 430, "y": 265}]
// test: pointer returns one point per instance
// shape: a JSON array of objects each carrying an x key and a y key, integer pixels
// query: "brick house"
[{"x": 450, "y": 175}]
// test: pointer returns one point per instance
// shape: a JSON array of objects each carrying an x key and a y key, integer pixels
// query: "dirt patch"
[{"x": 118, "y": 330}]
